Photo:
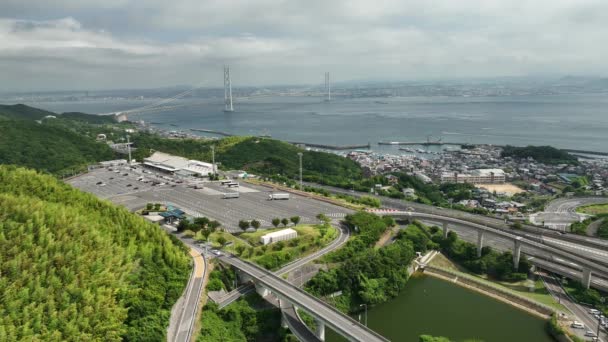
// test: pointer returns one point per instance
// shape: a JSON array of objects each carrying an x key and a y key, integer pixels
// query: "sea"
[{"x": 575, "y": 121}]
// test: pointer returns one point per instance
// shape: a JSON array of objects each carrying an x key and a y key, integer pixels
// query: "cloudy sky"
[{"x": 75, "y": 44}]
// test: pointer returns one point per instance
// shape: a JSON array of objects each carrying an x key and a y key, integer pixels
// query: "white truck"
[
  {"x": 230, "y": 195},
  {"x": 278, "y": 196}
]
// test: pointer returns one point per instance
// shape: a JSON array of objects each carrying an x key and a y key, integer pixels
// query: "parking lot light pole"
[
  {"x": 213, "y": 160},
  {"x": 129, "y": 148},
  {"x": 300, "y": 156}
]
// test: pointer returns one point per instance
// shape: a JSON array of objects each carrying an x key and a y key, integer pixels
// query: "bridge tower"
[
  {"x": 327, "y": 87},
  {"x": 227, "y": 90}
]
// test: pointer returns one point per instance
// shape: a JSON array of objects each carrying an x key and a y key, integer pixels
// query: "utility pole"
[
  {"x": 213, "y": 160},
  {"x": 300, "y": 156},
  {"x": 129, "y": 148}
]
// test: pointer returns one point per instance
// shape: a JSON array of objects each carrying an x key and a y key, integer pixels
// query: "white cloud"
[{"x": 158, "y": 42}]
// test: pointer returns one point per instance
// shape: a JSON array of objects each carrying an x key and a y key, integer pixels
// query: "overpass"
[
  {"x": 588, "y": 267},
  {"x": 324, "y": 314}
]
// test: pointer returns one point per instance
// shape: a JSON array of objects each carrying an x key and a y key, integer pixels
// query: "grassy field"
[
  {"x": 540, "y": 294},
  {"x": 310, "y": 239},
  {"x": 594, "y": 209}
]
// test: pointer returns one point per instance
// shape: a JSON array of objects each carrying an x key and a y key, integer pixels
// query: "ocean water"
[{"x": 568, "y": 121}]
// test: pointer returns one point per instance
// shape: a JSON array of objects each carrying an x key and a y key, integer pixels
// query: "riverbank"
[{"x": 469, "y": 282}]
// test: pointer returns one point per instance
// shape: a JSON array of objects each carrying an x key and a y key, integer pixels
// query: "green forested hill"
[
  {"x": 24, "y": 112},
  {"x": 47, "y": 148},
  {"x": 257, "y": 155},
  {"x": 75, "y": 268}
]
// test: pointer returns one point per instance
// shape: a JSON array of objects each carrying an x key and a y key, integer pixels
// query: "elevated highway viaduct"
[
  {"x": 324, "y": 314},
  {"x": 533, "y": 248}
]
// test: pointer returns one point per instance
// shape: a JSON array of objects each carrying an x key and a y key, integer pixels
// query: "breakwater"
[
  {"x": 211, "y": 131},
  {"x": 333, "y": 147}
]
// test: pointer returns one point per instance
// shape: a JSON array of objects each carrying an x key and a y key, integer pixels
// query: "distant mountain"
[{"x": 24, "y": 112}]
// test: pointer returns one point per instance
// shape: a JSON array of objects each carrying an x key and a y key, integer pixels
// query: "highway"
[
  {"x": 183, "y": 315},
  {"x": 601, "y": 246},
  {"x": 333, "y": 318},
  {"x": 559, "y": 214},
  {"x": 580, "y": 311},
  {"x": 534, "y": 248}
]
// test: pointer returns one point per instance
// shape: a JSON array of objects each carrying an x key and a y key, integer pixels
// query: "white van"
[
  {"x": 577, "y": 325},
  {"x": 594, "y": 311}
]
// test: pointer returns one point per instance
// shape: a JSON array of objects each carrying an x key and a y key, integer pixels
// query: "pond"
[{"x": 436, "y": 307}]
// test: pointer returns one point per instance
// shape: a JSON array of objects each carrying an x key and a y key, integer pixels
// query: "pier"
[
  {"x": 333, "y": 147},
  {"x": 425, "y": 143}
]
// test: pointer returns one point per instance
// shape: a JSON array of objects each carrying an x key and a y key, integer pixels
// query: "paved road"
[
  {"x": 183, "y": 314},
  {"x": 561, "y": 213},
  {"x": 333, "y": 318},
  {"x": 581, "y": 312}
]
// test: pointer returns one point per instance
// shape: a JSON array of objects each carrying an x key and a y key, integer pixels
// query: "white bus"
[{"x": 230, "y": 195}]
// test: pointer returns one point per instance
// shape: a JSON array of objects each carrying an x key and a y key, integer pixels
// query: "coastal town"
[{"x": 501, "y": 182}]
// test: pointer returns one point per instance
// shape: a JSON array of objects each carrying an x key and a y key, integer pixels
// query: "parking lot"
[{"x": 208, "y": 201}]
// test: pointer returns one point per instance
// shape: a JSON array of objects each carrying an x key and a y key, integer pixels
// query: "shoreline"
[{"x": 484, "y": 290}]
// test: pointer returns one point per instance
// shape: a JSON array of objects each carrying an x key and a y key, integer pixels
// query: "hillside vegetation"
[
  {"x": 59, "y": 146},
  {"x": 260, "y": 156},
  {"x": 47, "y": 148},
  {"x": 75, "y": 268},
  {"x": 543, "y": 154}
]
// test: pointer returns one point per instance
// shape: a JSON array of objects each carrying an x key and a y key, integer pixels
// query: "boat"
[{"x": 406, "y": 149}]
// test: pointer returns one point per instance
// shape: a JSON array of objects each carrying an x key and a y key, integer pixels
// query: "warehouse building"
[
  {"x": 281, "y": 235},
  {"x": 171, "y": 164}
]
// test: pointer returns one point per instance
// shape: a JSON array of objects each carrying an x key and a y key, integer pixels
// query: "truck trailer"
[
  {"x": 230, "y": 195},
  {"x": 278, "y": 196}
]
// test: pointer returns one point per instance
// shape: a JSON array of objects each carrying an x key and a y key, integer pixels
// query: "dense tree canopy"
[
  {"x": 47, "y": 148},
  {"x": 76, "y": 268},
  {"x": 543, "y": 154}
]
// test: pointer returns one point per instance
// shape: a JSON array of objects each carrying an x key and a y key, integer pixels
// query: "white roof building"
[
  {"x": 281, "y": 235},
  {"x": 170, "y": 163}
]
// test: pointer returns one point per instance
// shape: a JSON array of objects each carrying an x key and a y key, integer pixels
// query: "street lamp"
[
  {"x": 300, "y": 156},
  {"x": 365, "y": 305},
  {"x": 213, "y": 159}
]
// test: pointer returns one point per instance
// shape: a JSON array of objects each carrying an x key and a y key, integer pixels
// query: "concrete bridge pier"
[
  {"x": 586, "y": 281},
  {"x": 320, "y": 333},
  {"x": 282, "y": 305},
  {"x": 445, "y": 230},
  {"x": 479, "y": 242},
  {"x": 516, "y": 252},
  {"x": 261, "y": 290}
]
